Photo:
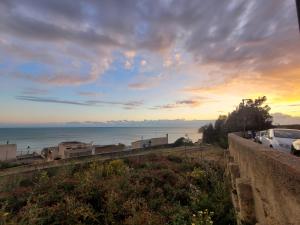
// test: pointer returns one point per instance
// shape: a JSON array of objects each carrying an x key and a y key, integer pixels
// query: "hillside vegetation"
[{"x": 152, "y": 189}]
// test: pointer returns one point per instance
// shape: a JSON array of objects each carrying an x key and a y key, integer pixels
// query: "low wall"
[{"x": 265, "y": 182}]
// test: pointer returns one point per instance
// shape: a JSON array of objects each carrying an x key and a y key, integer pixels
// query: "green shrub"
[
  {"x": 182, "y": 142},
  {"x": 153, "y": 189}
]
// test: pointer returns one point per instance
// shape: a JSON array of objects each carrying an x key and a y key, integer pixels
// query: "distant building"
[
  {"x": 74, "y": 149},
  {"x": 8, "y": 152},
  {"x": 108, "y": 148},
  {"x": 150, "y": 142}
]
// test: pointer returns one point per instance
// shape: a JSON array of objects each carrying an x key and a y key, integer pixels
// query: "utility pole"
[{"x": 298, "y": 12}]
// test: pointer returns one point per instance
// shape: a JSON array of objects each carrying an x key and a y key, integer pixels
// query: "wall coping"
[{"x": 288, "y": 160}]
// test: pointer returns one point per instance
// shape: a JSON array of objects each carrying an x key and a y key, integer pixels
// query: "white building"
[
  {"x": 74, "y": 149},
  {"x": 8, "y": 152},
  {"x": 150, "y": 142}
]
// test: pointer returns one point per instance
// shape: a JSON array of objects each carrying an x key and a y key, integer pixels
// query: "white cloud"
[
  {"x": 143, "y": 62},
  {"x": 128, "y": 65}
]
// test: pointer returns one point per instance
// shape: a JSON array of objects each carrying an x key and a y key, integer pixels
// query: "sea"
[{"x": 35, "y": 139}]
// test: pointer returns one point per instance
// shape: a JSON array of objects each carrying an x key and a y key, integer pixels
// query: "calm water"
[{"x": 38, "y": 138}]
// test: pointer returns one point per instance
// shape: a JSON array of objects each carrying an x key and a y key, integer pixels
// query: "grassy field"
[{"x": 169, "y": 187}]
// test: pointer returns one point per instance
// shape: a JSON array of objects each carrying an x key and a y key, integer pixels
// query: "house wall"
[
  {"x": 140, "y": 144},
  {"x": 150, "y": 142},
  {"x": 78, "y": 153},
  {"x": 68, "y": 150},
  {"x": 108, "y": 148},
  {"x": 159, "y": 141},
  {"x": 8, "y": 152}
]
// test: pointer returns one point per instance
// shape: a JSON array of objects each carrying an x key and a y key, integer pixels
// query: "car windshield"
[{"x": 293, "y": 134}]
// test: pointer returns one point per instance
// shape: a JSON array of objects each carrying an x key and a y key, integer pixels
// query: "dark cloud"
[
  {"x": 50, "y": 100},
  {"x": 247, "y": 34},
  {"x": 34, "y": 91},
  {"x": 183, "y": 103},
  {"x": 125, "y": 105},
  {"x": 38, "y": 30},
  {"x": 187, "y": 102}
]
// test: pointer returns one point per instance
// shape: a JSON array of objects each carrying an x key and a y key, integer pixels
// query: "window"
[{"x": 292, "y": 134}]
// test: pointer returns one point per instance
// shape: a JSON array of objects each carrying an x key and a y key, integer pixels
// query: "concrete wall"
[
  {"x": 74, "y": 149},
  {"x": 108, "y": 148},
  {"x": 150, "y": 142},
  {"x": 265, "y": 182},
  {"x": 8, "y": 152}
]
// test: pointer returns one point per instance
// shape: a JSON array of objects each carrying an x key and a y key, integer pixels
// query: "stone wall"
[{"x": 265, "y": 182}]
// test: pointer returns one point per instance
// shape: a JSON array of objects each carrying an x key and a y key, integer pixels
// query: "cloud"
[
  {"x": 294, "y": 105},
  {"x": 128, "y": 65},
  {"x": 231, "y": 33},
  {"x": 188, "y": 102},
  {"x": 62, "y": 79},
  {"x": 34, "y": 91},
  {"x": 144, "y": 123},
  {"x": 118, "y": 123},
  {"x": 183, "y": 103},
  {"x": 284, "y": 119},
  {"x": 146, "y": 82},
  {"x": 212, "y": 47},
  {"x": 89, "y": 93},
  {"x": 125, "y": 105},
  {"x": 50, "y": 100}
]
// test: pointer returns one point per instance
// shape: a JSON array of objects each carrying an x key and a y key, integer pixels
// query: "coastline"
[{"x": 38, "y": 138}]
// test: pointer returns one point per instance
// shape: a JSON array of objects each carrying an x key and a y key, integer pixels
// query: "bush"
[
  {"x": 5, "y": 165},
  {"x": 182, "y": 142},
  {"x": 166, "y": 190}
]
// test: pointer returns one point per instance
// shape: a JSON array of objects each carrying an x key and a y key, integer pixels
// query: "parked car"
[
  {"x": 259, "y": 135},
  {"x": 295, "y": 148},
  {"x": 280, "y": 139}
]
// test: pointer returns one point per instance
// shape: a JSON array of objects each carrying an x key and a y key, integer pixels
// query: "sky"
[{"x": 78, "y": 61}]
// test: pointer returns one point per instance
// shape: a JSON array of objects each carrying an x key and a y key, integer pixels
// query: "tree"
[
  {"x": 208, "y": 133},
  {"x": 249, "y": 115}
]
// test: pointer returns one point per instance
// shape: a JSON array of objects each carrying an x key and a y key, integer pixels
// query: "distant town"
[{"x": 72, "y": 149}]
